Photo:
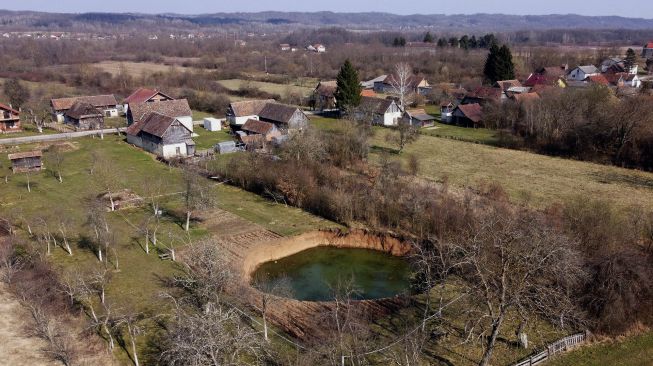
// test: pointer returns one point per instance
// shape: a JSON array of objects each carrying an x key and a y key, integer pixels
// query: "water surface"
[{"x": 315, "y": 274}]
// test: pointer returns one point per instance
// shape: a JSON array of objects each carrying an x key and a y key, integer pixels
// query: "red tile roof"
[
  {"x": 368, "y": 93},
  {"x": 599, "y": 79},
  {"x": 8, "y": 108},
  {"x": 472, "y": 111},
  {"x": 649, "y": 45},
  {"x": 256, "y": 126},
  {"x": 142, "y": 95}
]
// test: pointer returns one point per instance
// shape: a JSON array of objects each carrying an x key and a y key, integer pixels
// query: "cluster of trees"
[
  {"x": 574, "y": 280},
  {"x": 588, "y": 124}
]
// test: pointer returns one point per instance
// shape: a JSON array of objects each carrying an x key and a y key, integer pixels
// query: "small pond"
[{"x": 313, "y": 274}]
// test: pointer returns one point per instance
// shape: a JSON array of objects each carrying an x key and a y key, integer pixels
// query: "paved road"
[{"x": 58, "y": 136}]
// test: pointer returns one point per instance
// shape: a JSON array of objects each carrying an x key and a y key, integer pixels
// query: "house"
[
  {"x": 239, "y": 112},
  {"x": 446, "y": 111},
  {"x": 418, "y": 118},
  {"x": 415, "y": 85},
  {"x": 177, "y": 108},
  {"x": 549, "y": 75},
  {"x": 369, "y": 84},
  {"x": 284, "y": 47},
  {"x": 581, "y": 73},
  {"x": 165, "y": 136},
  {"x": 624, "y": 80},
  {"x": 615, "y": 65},
  {"x": 319, "y": 48},
  {"x": 469, "y": 115},
  {"x": 647, "y": 50},
  {"x": 83, "y": 116},
  {"x": 383, "y": 112},
  {"x": 484, "y": 94},
  {"x": 28, "y": 161},
  {"x": 285, "y": 117},
  {"x": 9, "y": 119},
  {"x": 266, "y": 129},
  {"x": 324, "y": 95},
  {"x": 105, "y": 103}
]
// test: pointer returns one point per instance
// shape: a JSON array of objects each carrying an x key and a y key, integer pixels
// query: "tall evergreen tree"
[
  {"x": 442, "y": 42},
  {"x": 631, "y": 59},
  {"x": 499, "y": 65},
  {"x": 464, "y": 42},
  {"x": 348, "y": 90},
  {"x": 428, "y": 38}
]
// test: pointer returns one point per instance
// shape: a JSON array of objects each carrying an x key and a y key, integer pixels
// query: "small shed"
[
  {"x": 212, "y": 124},
  {"x": 226, "y": 147},
  {"x": 28, "y": 161}
]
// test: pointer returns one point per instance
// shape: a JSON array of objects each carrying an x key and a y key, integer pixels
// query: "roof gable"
[
  {"x": 143, "y": 95},
  {"x": 472, "y": 111},
  {"x": 375, "y": 105},
  {"x": 82, "y": 109},
  {"x": 8, "y": 109},
  {"x": 280, "y": 113},
  {"x": 256, "y": 126}
]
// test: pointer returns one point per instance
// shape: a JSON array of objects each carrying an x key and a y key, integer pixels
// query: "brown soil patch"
[{"x": 16, "y": 347}]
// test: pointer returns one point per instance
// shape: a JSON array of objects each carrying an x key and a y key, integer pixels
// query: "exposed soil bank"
[{"x": 285, "y": 247}]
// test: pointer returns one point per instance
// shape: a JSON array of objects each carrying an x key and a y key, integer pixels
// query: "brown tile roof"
[
  {"x": 368, "y": 93},
  {"x": 326, "y": 88},
  {"x": 375, "y": 105},
  {"x": 62, "y": 104},
  {"x": 26, "y": 154},
  {"x": 142, "y": 95},
  {"x": 420, "y": 114},
  {"x": 8, "y": 108},
  {"x": 249, "y": 107},
  {"x": 507, "y": 84},
  {"x": 472, "y": 111},
  {"x": 157, "y": 124},
  {"x": 256, "y": 126},
  {"x": 276, "y": 112},
  {"x": 82, "y": 109},
  {"x": 171, "y": 108},
  {"x": 485, "y": 92},
  {"x": 526, "y": 97}
]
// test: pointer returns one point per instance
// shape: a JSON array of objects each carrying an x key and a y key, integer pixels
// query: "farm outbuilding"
[
  {"x": 28, "y": 161},
  {"x": 212, "y": 124},
  {"x": 228, "y": 147}
]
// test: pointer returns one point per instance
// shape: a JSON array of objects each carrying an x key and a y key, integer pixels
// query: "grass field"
[
  {"x": 632, "y": 351},
  {"x": 136, "y": 68},
  {"x": 139, "y": 281},
  {"x": 208, "y": 139},
  {"x": 281, "y": 89},
  {"x": 537, "y": 180}
]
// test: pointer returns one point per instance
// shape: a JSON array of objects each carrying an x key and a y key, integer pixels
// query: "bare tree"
[
  {"x": 106, "y": 176},
  {"x": 513, "y": 263},
  {"x": 401, "y": 83},
  {"x": 55, "y": 160},
  {"x": 214, "y": 336},
  {"x": 197, "y": 194},
  {"x": 39, "y": 115},
  {"x": 206, "y": 271},
  {"x": 10, "y": 263},
  {"x": 270, "y": 292},
  {"x": 128, "y": 322},
  {"x": 404, "y": 134}
]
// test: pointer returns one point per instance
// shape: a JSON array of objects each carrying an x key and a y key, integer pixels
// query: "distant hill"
[{"x": 362, "y": 21}]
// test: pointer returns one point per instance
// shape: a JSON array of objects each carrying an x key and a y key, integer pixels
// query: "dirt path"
[{"x": 16, "y": 348}]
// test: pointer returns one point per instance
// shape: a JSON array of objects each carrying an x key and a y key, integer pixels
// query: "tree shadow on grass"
[{"x": 384, "y": 150}]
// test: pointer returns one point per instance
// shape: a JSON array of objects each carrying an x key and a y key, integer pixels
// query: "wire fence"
[{"x": 556, "y": 347}]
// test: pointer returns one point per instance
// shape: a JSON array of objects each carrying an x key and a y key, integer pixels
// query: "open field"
[
  {"x": 632, "y": 351},
  {"x": 136, "y": 68},
  {"x": 281, "y": 89},
  {"x": 480, "y": 135},
  {"x": 534, "y": 179},
  {"x": 138, "y": 281}
]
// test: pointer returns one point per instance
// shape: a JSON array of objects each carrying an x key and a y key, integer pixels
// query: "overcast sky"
[{"x": 634, "y": 8}]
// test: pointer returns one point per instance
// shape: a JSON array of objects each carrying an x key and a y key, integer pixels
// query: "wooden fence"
[{"x": 558, "y": 346}]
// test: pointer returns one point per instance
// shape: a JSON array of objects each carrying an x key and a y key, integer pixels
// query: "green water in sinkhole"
[{"x": 314, "y": 274}]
